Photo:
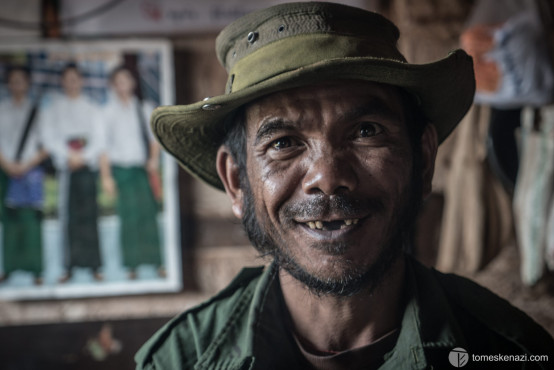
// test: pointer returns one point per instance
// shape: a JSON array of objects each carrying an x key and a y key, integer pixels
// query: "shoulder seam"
[
  {"x": 248, "y": 274},
  {"x": 447, "y": 281}
]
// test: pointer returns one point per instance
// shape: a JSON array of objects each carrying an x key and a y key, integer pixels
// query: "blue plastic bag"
[{"x": 27, "y": 190}]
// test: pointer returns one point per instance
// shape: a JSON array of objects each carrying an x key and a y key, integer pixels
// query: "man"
[
  {"x": 75, "y": 140},
  {"x": 20, "y": 179},
  {"x": 132, "y": 158},
  {"x": 325, "y": 141}
]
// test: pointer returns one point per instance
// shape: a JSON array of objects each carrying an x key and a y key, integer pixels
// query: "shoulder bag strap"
[
  {"x": 142, "y": 124},
  {"x": 28, "y": 126}
]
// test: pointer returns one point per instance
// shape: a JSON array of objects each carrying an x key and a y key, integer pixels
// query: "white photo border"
[{"x": 170, "y": 215}]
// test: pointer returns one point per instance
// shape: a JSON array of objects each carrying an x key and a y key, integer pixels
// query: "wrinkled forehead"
[
  {"x": 331, "y": 98},
  {"x": 17, "y": 74},
  {"x": 122, "y": 74},
  {"x": 71, "y": 73}
]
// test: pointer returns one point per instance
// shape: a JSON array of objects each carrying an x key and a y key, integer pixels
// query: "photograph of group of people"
[{"x": 83, "y": 187}]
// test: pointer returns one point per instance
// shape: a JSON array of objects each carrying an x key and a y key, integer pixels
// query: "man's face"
[
  {"x": 123, "y": 83},
  {"x": 72, "y": 82},
  {"x": 18, "y": 83},
  {"x": 332, "y": 190}
]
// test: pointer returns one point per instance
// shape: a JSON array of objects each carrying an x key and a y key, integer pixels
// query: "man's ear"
[
  {"x": 429, "y": 145},
  {"x": 228, "y": 172}
]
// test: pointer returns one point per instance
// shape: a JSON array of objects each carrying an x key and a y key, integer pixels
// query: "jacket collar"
[
  {"x": 428, "y": 322},
  {"x": 233, "y": 349}
]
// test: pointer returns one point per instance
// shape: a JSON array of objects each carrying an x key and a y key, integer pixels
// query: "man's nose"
[{"x": 330, "y": 172}]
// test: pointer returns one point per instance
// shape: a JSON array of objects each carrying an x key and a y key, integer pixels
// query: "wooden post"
[{"x": 50, "y": 19}]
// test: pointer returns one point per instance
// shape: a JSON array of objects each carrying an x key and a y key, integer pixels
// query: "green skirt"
[
  {"x": 22, "y": 235},
  {"x": 82, "y": 223},
  {"x": 137, "y": 210},
  {"x": 22, "y": 241},
  {"x": 3, "y": 190}
]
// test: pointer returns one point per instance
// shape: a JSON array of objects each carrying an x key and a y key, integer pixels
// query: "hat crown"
[
  {"x": 302, "y": 44},
  {"x": 258, "y": 29}
]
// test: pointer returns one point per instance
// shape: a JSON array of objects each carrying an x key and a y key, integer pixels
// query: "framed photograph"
[{"x": 88, "y": 200}]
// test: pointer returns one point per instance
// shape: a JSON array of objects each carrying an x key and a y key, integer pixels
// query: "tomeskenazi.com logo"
[{"x": 458, "y": 357}]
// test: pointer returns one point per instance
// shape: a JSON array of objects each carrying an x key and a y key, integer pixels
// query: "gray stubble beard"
[{"x": 354, "y": 280}]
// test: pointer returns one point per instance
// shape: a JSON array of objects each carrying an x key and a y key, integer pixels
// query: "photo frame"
[{"x": 120, "y": 266}]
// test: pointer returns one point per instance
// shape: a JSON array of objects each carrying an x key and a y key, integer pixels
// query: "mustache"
[{"x": 341, "y": 205}]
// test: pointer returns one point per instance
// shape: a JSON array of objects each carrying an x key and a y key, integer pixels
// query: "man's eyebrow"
[
  {"x": 270, "y": 126},
  {"x": 375, "y": 107}
]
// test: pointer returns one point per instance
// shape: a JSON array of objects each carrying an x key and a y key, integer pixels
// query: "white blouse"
[
  {"x": 125, "y": 144},
  {"x": 13, "y": 119},
  {"x": 65, "y": 120}
]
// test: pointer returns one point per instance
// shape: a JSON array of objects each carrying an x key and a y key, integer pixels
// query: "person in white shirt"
[
  {"x": 75, "y": 140},
  {"x": 20, "y": 178},
  {"x": 129, "y": 172}
]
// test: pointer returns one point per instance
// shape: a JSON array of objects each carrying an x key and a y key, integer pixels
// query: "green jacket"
[{"x": 241, "y": 328}]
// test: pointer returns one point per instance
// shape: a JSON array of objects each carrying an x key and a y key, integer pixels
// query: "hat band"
[{"x": 301, "y": 51}]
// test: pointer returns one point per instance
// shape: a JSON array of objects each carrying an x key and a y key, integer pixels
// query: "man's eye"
[
  {"x": 281, "y": 143},
  {"x": 369, "y": 129}
]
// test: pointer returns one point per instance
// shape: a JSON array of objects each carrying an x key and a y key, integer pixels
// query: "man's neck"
[
  {"x": 327, "y": 323},
  {"x": 125, "y": 99},
  {"x": 18, "y": 99},
  {"x": 73, "y": 94}
]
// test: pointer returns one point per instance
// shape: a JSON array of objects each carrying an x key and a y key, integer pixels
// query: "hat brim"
[{"x": 193, "y": 134}]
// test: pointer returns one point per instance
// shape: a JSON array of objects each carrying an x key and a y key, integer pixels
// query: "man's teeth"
[{"x": 320, "y": 225}]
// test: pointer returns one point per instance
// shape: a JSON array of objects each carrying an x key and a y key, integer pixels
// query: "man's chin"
[
  {"x": 353, "y": 278},
  {"x": 341, "y": 281}
]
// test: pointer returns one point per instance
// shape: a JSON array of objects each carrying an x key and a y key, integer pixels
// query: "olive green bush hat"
[{"x": 298, "y": 44}]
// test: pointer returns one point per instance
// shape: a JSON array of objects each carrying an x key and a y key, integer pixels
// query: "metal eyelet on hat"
[
  {"x": 252, "y": 37},
  {"x": 211, "y": 106}
]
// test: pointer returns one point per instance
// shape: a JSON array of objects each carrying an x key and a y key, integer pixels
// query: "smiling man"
[{"x": 325, "y": 142}]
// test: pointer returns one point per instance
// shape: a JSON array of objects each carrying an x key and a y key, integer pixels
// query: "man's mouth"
[{"x": 332, "y": 225}]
